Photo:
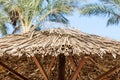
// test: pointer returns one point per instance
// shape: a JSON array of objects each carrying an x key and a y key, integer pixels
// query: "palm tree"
[
  {"x": 26, "y": 15},
  {"x": 3, "y": 28},
  {"x": 109, "y": 8}
]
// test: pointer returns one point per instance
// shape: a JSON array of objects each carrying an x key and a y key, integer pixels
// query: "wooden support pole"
[
  {"x": 42, "y": 71},
  {"x": 73, "y": 64},
  {"x": 61, "y": 67},
  {"x": 83, "y": 60},
  {"x": 11, "y": 76},
  {"x": 19, "y": 76},
  {"x": 104, "y": 75},
  {"x": 98, "y": 65},
  {"x": 51, "y": 65}
]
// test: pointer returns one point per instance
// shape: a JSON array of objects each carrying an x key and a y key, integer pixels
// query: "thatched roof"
[{"x": 56, "y": 41}]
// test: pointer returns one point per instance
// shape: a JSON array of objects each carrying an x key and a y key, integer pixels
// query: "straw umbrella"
[{"x": 62, "y": 44}]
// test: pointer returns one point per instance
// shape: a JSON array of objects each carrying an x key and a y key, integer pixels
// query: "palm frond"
[
  {"x": 110, "y": 8},
  {"x": 96, "y": 9},
  {"x": 3, "y": 29},
  {"x": 58, "y": 18},
  {"x": 3, "y": 18},
  {"x": 23, "y": 12},
  {"x": 113, "y": 20},
  {"x": 112, "y": 3},
  {"x": 117, "y": 3}
]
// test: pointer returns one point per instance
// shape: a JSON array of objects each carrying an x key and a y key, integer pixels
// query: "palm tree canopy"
[
  {"x": 22, "y": 13},
  {"x": 56, "y": 41},
  {"x": 3, "y": 19},
  {"x": 110, "y": 8}
]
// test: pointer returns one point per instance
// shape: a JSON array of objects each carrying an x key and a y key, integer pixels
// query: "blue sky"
[{"x": 95, "y": 25}]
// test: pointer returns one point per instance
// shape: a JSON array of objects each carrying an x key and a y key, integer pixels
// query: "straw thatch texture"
[{"x": 56, "y": 41}]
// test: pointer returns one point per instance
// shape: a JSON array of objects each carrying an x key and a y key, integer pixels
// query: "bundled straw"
[{"x": 55, "y": 41}]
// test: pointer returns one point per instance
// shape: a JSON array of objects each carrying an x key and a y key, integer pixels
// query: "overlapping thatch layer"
[{"x": 56, "y": 41}]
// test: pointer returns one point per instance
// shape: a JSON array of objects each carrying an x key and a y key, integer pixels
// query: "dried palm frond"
[{"x": 55, "y": 41}]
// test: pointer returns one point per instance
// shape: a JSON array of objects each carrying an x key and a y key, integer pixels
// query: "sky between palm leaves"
[{"x": 94, "y": 25}]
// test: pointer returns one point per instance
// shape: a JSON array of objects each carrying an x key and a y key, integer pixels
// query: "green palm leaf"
[
  {"x": 113, "y": 20},
  {"x": 109, "y": 8},
  {"x": 23, "y": 13}
]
